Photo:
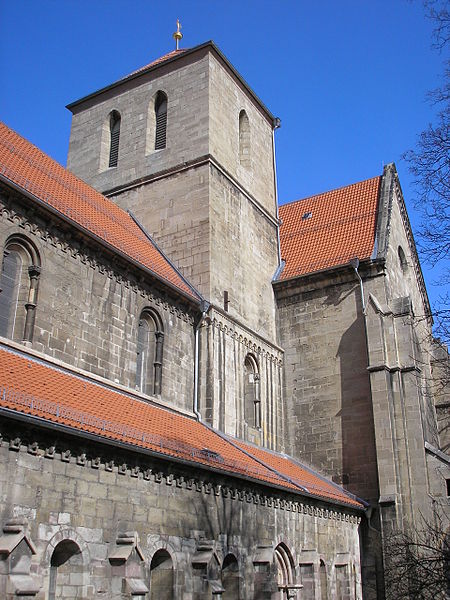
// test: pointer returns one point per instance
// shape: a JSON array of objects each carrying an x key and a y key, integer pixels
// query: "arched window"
[
  {"x": 19, "y": 289},
  {"x": 160, "y": 120},
  {"x": 161, "y": 576},
  {"x": 149, "y": 353},
  {"x": 402, "y": 259},
  {"x": 114, "y": 129},
  {"x": 323, "y": 581},
  {"x": 66, "y": 568},
  {"x": 285, "y": 570},
  {"x": 230, "y": 578},
  {"x": 244, "y": 139},
  {"x": 252, "y": 404}
]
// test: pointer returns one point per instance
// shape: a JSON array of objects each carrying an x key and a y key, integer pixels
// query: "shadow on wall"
[{"x": 359, "y": 465}]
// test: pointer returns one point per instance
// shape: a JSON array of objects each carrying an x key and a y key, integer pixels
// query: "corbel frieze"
[{"x": 204, "y": 486}]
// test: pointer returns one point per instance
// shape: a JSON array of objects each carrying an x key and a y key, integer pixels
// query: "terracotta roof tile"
[
  {"x": 329, "y": 229},
  {"x": 30, "y": 386},
  {"x": 158, "y": 61},
  {"x": 33, "y": 171}
]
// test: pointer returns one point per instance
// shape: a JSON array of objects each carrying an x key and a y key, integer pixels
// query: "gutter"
[{"x": 94, "y": 236}]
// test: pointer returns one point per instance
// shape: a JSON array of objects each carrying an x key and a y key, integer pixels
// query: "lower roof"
[
  {"x": 32, "y": 386},
  {"x": 329, "y": 229}
]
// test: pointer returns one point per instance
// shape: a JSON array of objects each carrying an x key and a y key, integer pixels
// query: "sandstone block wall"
[
  {"x": 225, "y": 344},
  {"x": 185, "y": 83},
  {"x": 326, "y": 384},
  {"x": 88, "y": 311},
  {"x": 198, "y": 519}
]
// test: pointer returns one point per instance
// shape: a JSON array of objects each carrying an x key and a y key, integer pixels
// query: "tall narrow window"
[
  {"x": 244, "y": 139},
  {"x": 160, "y": 120},
  {"x": 252, "y": 404},
  {"x": 149, "y": 354},
  {"x": 19, "y": 289},
  {"x": 114, "y": 128}
]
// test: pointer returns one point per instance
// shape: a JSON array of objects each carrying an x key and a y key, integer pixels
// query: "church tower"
[{"x": 188, "y": 148}]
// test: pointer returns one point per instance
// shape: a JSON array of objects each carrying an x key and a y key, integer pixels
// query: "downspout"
[
  {"x": 276, "y": 124},
  {"x": 355, "y": 264},
  {"x": 205, "y": 309}
]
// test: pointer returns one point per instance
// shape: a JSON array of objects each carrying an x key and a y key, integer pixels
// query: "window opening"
[
  {"x": 161, "y": 576},
  {"x": 19, "y": 289},
  {"x": 65, "y": 565},
  {"x": 149, "y": 354},
  {"x": 114, "y": 127},
  {"x": 402, "y": 259},
  {"x": 161, "y": 120},
  {"x": 244, "y": 139},
  {"x": 252, "y": 404}
]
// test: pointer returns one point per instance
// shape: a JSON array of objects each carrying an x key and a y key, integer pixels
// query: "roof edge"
[
  {"x": 95, "y": 237},
  {"x": 187, "y": 52}
]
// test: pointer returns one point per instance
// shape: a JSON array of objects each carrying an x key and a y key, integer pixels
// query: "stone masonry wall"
[
  {"x": 185, "y": 83},
  {"x": 225, "y": 344},
  {"x": 227, "y": 99},
  {"x": 326, "y": 384},
  {"x": 175, "y": 212},
  {"x": 62, "y": 491},
  {"x": 243, "y": 256},
  {"x": 88, "y": 308}
]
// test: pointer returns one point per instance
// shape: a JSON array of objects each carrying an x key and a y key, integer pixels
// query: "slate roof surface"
[
  {"x": 32, "y": 387},
  {"x": 31, "y": 170},
  {"x": 329, "y": 229}
]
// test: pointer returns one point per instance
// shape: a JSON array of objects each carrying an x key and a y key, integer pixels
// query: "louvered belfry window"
[
  {"x": 161, "y": 120},
  {"x": 115, "y": 135}
]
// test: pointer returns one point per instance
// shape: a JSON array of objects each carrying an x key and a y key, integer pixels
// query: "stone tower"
[{"x": 187, "y": 147}]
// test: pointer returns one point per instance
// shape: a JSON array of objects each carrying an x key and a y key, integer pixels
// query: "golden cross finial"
[{"x": 177, "y": 35}]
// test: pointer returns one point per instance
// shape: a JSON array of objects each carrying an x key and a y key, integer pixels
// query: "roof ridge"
[{"x": 342, "y": 187}]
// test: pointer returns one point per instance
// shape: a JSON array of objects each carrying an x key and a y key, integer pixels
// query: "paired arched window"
[
  {"x": 114, "y": 130},
  {"x": 252, "y": 404},
  {"x": 19, "y": 283},
  {"x": 149, "y": 353},
  {"x": 244, "y": 139},
  {"x": 160, "y": 120},
  {"x": 65, "y": 569},
  {"x": 161, "y": 576}
]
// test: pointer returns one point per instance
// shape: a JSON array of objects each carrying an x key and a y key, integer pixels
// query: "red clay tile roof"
[
  {"x": 32, "y": 387},
  {"x": 158, "y": 61},
  {"x": 329, "y": 229},
  {"x": 34, "y": 172}
]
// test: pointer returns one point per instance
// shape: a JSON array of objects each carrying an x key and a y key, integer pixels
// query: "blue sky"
[{"x": 348, "y": 79}]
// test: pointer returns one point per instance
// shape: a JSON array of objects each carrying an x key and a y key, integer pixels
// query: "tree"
[
  {"x": 429, "y": 163},
  {"x": 417, "y": 561}
]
